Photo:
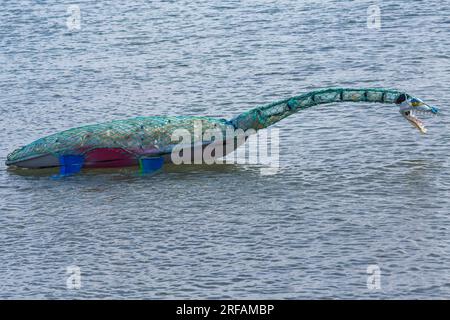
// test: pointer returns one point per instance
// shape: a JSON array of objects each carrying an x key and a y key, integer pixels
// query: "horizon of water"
[{"x": 357, "y": 185}]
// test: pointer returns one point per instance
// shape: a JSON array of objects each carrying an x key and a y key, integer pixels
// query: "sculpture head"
[{"x": 410, "y": 107}]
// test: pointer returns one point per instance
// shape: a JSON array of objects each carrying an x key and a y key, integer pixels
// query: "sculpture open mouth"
[{"x": 412, "y": 117}]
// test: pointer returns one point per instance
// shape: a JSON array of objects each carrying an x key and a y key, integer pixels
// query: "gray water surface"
[{"x": 357, "y": 186}]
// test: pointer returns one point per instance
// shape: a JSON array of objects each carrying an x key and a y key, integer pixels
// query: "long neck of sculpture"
[{"x": 267, "y": 115}]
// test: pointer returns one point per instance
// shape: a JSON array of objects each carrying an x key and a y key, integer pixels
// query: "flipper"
[{"x": 150, "y": 165}]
